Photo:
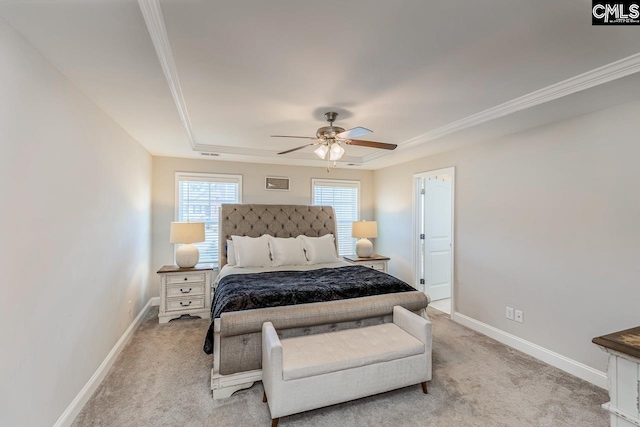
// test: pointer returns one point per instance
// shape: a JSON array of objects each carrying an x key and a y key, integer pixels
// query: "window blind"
[
  {"x": 199, "y": 198},
  {"x": 344, "y": 197}
]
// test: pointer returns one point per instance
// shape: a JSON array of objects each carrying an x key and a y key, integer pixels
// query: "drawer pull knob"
[
  {"x": 185, "y": 305},
  {"x": 185, "y": 279},
  {"x": 185, "y": 292}
]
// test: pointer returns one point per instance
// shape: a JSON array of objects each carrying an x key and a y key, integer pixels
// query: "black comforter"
[{"x": 237, "y": 292}]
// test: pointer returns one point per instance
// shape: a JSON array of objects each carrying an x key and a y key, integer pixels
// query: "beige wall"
[
  {"x": 547, "y": 221},
  {"x": 253, "y": 174},
  {"x": 75, "y": 224}
]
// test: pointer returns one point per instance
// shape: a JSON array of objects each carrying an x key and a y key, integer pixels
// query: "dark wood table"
[
  {"x": 623, "y": 376},
  {"x": 627, "y": 341}
]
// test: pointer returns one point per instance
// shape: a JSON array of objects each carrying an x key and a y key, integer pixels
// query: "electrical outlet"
[
  {"x": 510, "y": 313},
  {"x": 129, "y": 307},
  {"x": 519, "y": 316}
]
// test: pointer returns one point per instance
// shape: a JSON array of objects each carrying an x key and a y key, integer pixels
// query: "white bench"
[{"x": 313, "y": 371}]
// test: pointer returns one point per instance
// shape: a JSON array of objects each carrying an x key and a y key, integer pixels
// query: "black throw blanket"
[{"x": 237, "y": 292}]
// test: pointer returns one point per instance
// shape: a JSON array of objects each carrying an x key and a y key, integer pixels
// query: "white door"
[{"x": 437, "y": 237}]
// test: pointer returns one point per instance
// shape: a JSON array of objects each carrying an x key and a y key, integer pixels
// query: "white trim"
[
  {"x": 339, "y": 183},
  {"x": 202, "y": 176},
  {"x": 91, "y": 386},
  {"x": 570, "y": 366},
  {"x": 336, "y": 182},
  {"x": 209, "y": 177},
  {"x": 415, "y": 252},
  {"x": 598, "y": 76},
  {"x": 257, "y": 152},
  {"x": 152, "y": 13},
  {"x": 450, "y": 170},
  {"x": 621, "y": 414},
  {"x": 155, "y": 301}
]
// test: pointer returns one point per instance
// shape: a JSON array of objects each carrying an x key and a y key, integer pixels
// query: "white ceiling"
[{"x": 415, "y": 72}]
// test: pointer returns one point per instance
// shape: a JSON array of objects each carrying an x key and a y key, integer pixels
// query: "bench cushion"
[{"x": 311, "y": 355}]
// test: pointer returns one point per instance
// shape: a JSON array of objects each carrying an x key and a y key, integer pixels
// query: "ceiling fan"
[{"x": 330, "y": 139}]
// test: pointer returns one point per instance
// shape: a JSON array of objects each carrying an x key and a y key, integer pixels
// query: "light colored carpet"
[
  {"x": 443, "y": 305},
  {"x": 162, "y": 379}
]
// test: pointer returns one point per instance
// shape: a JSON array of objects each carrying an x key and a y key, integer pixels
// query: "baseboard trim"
[
  {"x": 557, "y": 360},
  {"x": 90, "y": 387},
  {"x": 155, "y": 301}
]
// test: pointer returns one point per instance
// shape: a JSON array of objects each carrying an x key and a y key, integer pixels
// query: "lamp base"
[
  {"x": 364, "y": 248},
  {"x": 187, "y": 256}
]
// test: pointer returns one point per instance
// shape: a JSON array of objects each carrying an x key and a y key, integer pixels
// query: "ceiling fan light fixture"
[
  {"x": 330, "y": 137},
  {"x": 336, "y": 152},
  {"x": 322, "y": 151}
]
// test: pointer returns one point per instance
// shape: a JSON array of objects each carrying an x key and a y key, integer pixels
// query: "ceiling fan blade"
[
  {"x": 300, "y": 148},
  {"x": 372, "y": 144},
  {"x": 353, "y": 133},
  {"x": 289, "y": 136}
]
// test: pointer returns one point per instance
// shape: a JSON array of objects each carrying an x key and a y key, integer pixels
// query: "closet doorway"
[{"x": 433, "y": 228}]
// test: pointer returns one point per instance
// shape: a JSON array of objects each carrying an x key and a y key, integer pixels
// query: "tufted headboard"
[{"x": 276, "y": 220}]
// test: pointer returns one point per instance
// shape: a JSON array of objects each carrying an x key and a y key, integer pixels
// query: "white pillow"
[
  {"x": 231, "y": 253},
  {"x": 287, "y": 251},
  {"x": 252, "y": 251},
  {"x": 320, "y": 250}
]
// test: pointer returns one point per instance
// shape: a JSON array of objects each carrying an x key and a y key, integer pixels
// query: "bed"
[{"x": 298, "y": 300}]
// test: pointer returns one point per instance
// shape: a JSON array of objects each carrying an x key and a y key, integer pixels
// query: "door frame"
[{"x": 416, "y": 226}]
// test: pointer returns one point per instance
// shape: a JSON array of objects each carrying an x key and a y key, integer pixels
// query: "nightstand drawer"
[
  {"x": 185, "y": 289},
  {"x": 375, "y": 265},
  {"x": 175, "y": 304},
  {"x": 185, "y": 278}
]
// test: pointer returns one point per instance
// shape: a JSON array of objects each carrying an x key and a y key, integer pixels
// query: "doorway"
[{"x": 434, "y": 226}]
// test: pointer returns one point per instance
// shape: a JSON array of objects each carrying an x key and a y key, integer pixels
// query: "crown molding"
[
  {"x": 244, "y": 151},
  {"x": 152, "y": 14},
  {"x": 154, "y": 20},
  {"x": 598, "y": 76},
  {"x": 225, "y": 149}
]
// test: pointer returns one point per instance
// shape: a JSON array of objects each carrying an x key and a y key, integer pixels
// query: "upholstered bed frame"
[
  {"x": 276, "y": 220},
  {"x": 237, "y": 335}
]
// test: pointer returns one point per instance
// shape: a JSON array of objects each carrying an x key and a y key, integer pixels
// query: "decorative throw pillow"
[
  {"x": 252, "y": 251},
  {"x": 231, "y": 253},
  {"x": 287, "y": 251},
  {"x": 320, "y": 250}
]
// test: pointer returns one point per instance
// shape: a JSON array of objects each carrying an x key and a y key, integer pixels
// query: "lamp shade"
[
  {"x": 321, "y": 151},
  {"x": 336, "y": 152},
  {"x": 187, "y": 232},
  {"x": 365, "y": 229}
]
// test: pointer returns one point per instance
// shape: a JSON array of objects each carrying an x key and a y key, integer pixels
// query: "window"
[
  {"x": 344, "y": 196},
  {"x": 198, "y": 199}
]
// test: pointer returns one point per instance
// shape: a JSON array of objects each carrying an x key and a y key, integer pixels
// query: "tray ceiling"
[{"x": 188, "y": 76}]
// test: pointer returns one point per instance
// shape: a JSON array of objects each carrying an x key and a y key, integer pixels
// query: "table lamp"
[
  {"x": 187, "y": 233},
  {"x": 364, "y": 230}
]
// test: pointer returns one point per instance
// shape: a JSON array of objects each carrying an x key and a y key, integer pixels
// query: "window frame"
[
  {"x": 202, "y": 177},
  {"x": 335, "y": 183}
]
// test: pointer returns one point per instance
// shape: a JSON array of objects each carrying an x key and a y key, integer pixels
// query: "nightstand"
[
  {"x": 377, "y": 262},
  {"x": 623, "y": 376},
  {"x": 185, "y": 291}
]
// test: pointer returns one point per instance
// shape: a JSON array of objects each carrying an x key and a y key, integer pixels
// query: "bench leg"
[
  {"x": 424, "y": 388},
  {"x": 264, "y": 397},
  {"x": 274, "y": 422}
]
